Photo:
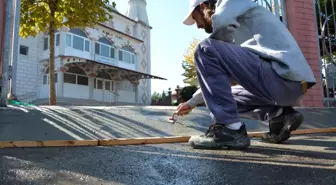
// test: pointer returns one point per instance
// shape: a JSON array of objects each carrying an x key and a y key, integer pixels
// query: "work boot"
[
  {"x": 282, "y": 126},
  {"x": 219, "y": 136}
]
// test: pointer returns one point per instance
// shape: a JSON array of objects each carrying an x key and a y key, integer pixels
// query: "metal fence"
[
  {"x": 326, "y": 26},
  {"x": 277, "y": 7}
]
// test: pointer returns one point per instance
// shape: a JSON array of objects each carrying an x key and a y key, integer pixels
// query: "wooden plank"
[
  {"x": 299, "y": 132},
  {"x": 314, "y": 131},
  {"x": 70, "y": 143},
  {"x": 143, "y": 141},
  {"x": 134, "y": 141},
  {"x": 52, "y": 143}
]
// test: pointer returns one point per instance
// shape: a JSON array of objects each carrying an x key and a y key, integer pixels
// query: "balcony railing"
[{"x": 105, "y": 60}]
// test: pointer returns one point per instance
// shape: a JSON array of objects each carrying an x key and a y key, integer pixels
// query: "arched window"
[
  {"x": 76, "y": 75},
  {"x": 77, "y": 39},
  {"x": 45, "y": 77},
  {"x": 103, "y": 82},
  {"x": 127, "y": 54},
  {"x": 105, "y": 48}
]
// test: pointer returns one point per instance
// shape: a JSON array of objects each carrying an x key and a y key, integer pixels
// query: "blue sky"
[{"x": 169, "y": 40}]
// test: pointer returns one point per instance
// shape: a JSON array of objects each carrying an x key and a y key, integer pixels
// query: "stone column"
[
  {"x": 302, "y": 25},
  {"x": 136, "y": 93},
  {"x": 60, "y": 81},
  {"x": 178, "y": 90},
  {"x": 170, "y": 99}
]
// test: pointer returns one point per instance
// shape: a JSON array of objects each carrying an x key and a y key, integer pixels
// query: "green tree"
[
  {"x": 46, "y": 16},
  {"x": 156, "y": 96},
  {"x": 188, "y": 64},
  {"x": 163, "y": 95}
]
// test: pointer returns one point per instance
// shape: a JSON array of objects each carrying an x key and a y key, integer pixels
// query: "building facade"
[{"x": 107, "y": 64}]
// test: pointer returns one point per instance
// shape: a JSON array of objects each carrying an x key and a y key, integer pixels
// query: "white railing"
[
  {"x": 105, "y": 60},
  {"x": 116, "y": 96}
]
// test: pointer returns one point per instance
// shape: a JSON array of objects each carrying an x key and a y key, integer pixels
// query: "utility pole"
[
  {"x": 6, "y": 51},
  {"x": 15, "y": 47}
]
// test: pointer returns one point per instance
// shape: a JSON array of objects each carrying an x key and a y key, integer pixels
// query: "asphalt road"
[{"x": 304, "y": 160}]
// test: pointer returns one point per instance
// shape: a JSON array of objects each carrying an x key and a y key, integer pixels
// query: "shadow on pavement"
[{"x": 68, "y": 124}]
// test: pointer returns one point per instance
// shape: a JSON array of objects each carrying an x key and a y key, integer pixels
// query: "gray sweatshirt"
[{"x": 250, "y": 25}]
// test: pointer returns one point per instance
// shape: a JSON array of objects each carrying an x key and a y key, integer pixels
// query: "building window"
[
  {"x": 104, "y": 48},
  {"x": 68, "y": 40},
  {"x": 45, "y": 77},
  {"x": 23, "y": 50},
  {"x": 127, "y": 55},
  {"x": 76, "y": 79},
  {"x": 58, "y": 38},
  {"x": 46, "y": 41},
  {"x": 45, "y": 80},
  {"x": 76, "y": 75},
  {"x": 108, "y": 85},
  {"x": 70, "y": 78},
  {"x": 77, "y": 39},
  {"x": 98, "y": 84},
  {"x": 82, "y": 80},
  {"x": 103, "y": 84},
  {"x": 77, "y": 42}
]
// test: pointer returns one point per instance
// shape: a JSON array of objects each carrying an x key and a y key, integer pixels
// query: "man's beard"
[
  {"x": 208, "y": 21},
  {"x": 208, "y": 28}
]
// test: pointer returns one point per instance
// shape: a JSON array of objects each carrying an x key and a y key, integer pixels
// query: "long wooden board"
[{"x": 133, "y": 141}]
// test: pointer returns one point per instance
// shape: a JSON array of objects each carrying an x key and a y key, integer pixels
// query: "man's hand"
[{"x": 183, "y": 109}]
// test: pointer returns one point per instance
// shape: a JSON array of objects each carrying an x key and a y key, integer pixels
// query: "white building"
[{"x": 107, "y": 64}]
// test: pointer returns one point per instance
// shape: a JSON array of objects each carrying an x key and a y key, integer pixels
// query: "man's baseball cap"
[{"x": 192, "y": 5}]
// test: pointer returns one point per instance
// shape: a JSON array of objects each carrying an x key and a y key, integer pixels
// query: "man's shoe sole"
[
  {"x": 285, "y": 133},
  {"x": 239, "y": 144}
]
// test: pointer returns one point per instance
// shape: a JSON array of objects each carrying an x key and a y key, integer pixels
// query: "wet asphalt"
[{"x": 303, "y": 160}]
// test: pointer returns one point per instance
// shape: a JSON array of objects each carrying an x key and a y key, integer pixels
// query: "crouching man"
[{"x": 249, "y": 45}]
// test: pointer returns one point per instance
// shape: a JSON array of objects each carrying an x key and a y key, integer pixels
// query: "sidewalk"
[{"x": 69, "y": 123}]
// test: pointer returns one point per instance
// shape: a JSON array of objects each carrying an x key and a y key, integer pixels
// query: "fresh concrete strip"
[{"x": 132, "y": 141}]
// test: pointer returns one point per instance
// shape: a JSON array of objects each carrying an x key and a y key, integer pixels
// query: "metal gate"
[
  {"x": 326, "y": 26},
  {"x": 277, "y": 7}
]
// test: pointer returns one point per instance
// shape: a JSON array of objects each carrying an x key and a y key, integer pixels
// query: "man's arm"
[
  {"x": 196, "y": 99},
  {"x": 224, "y": 20}
]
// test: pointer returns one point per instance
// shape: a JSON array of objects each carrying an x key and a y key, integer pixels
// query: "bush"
[{"x": 187, "y": 92}]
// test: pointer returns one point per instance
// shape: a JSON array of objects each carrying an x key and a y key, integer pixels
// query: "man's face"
[{"x": 202, "y": 15}]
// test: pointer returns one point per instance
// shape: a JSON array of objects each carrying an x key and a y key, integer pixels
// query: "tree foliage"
[
  {"x": 187, "y": 92},
  {"x": 46, "y": 16},
  {"x": 37, "y": 15},
  {"x": 156, "y": 96},
  {"x": 188, "y": 64}
]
